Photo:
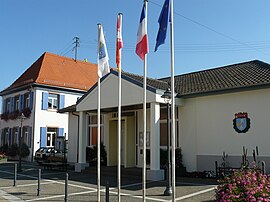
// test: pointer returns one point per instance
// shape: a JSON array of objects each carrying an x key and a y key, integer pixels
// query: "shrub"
[
  {"x": 91, "y": 154},
  {"x": 25, "y": 150},
  {"x": 12, "y": 150},
  {"x": 4, "y": 148},
  {"x": 178, "y": 158},
  {"x": 244, "y": 185},
  {"x": 2, "y": 155}
]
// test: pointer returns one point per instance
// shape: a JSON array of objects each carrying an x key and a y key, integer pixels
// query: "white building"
[
  {"x": 51, "y": 83},
  {"x": 213, "y": 110}
]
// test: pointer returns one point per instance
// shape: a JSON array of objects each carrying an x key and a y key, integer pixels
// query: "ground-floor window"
[
  {"x": 164, "y": 129},
  {"x": 25, "y": 136},
  {"x": 48, "y": 136},
  {"x": 93, "y": 129},
  {"x": 51, "y": 136},
  {"x": 15, "y": 136},
  {"x": 4, "y": 137}
]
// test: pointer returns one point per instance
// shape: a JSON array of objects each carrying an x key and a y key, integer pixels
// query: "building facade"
[
  {"x": 218, "y": 111},
  {"x": 49, "y": 84}
]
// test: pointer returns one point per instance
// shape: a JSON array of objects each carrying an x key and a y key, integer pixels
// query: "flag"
[
  {"x": 142, "y": 39},
  {"x": 103, "y": 58},
  {"x": 163, "y": 23},
  {"x": 119, "y": 40}
]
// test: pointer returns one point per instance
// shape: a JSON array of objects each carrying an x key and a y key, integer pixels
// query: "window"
[
  {"x": 17, "y": 103},
  {"x": 163, "y": 127},
  {"x": 15, "y": 135},
  {"x": 5, "y": 141},
  {"x": 25, "y": 136},
  {"x": 51, "y": 136},
  {"x": 52, "y": 101},
  {"x": 8, "y": 105},
  {"x": 26, "y": 100},
  {"x": 93, "y": 129}
]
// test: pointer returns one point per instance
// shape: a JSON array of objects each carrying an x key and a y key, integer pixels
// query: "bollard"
[
  {"x": 66, "y": 188},
  {"x": 15, "y": 175},
  {"x": 107, "y": 192},
  {"x": 39, "y": 179},
  {"x": 263, "y": 168}
]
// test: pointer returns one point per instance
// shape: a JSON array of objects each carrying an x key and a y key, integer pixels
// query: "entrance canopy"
[{"x": 132, "y": 92}]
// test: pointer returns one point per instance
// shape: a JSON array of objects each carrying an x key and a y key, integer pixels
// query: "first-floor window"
[{"x": 53, "y": 101}]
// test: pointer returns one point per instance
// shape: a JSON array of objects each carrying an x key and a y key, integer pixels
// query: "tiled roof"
[
  {"x": 54, "y": 70},
  {"x": 237, "y": 76},
  {"x": 158, "y": 84}
]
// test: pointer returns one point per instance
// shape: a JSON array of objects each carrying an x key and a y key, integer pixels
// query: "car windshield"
[{"x": 41, "y": 149}]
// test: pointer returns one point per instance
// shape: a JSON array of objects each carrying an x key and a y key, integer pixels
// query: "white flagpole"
[
  {"x": 98, "y": 136},
  {"x": 119, "y": 121},
  {"x": 119, "y": 134},
  {"x": 144, "y": 114},
  {"x": 173, "y": 100}
]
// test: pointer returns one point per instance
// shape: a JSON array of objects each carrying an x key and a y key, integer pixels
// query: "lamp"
[
  {"x": 167, "y": 99},
  {"x": 21, "y": 117}
]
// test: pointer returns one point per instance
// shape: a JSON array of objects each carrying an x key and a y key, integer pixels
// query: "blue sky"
[{"x": 208, "y": 33}]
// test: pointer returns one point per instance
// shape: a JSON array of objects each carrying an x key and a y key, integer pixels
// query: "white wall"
[
  {"x": 206, "y": 125},
  {"x": 50, "y": 118},
  {"x": 73, "y": 138},
  {"x": 131, "y": 95}
]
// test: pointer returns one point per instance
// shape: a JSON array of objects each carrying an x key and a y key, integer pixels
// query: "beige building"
[{"x": 217, "y": 110}]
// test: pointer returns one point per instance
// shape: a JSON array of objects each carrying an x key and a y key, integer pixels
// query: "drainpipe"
[
  {"x": 77, "y": 136},
  {"x": 33, "y": 114}
]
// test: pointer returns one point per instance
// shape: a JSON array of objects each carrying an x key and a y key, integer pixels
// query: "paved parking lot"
[{"x": 82, "y": 186}]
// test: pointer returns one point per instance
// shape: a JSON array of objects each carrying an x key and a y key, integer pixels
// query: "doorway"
[{"x": 127, "y": 142}]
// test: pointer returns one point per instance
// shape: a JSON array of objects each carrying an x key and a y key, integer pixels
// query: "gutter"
[{"x": 77, "y": 136}]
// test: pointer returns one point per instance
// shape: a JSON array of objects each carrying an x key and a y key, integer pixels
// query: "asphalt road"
[{"x": 82, "y": 186}]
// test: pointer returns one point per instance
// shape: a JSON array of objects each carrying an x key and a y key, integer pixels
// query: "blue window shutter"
[
  {"x": 43, "y": 136},
  {"x": 9, "y": 136},
  {"x": 2, "y": 137},
  {"x": 62, "y": 101},
  {"x": 11, "y": 108},
  {"x": 45, "y": 96},
  {"x": 31, "y": 100},
  {"x": 60, "y": 131},
  {"x": 29, "y": 136},
  {"x": 4, "y": 105},
  {"x": 21, "y": 102}
]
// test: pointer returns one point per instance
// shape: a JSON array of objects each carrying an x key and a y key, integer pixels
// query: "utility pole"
[{"x": 77, "y": 44}]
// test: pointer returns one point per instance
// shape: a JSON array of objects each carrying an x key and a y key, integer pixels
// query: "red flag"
[
  {"x": 142, "y": 39},
  {"x": 119, "y": 41}
]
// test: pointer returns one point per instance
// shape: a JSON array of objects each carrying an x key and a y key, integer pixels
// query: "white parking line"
[
  {"x": 195, "y": 194},
  {"x": 92, "y": 190},
  {"x": 27, "y": 185},
  {"x": 9, "y": 197},
  {"x": 58, "y": 196}
]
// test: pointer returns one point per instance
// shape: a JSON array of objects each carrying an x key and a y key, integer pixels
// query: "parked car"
[{"x": 43, "y": 153}]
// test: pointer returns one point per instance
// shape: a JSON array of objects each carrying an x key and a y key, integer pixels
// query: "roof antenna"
[{"x": 77, "y": 44}]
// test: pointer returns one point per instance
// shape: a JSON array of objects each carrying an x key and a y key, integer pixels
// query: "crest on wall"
[{"x": 241, "y": 122}]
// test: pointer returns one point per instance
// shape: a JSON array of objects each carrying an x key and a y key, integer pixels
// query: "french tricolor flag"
[{"x": 142, "y": 39}]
